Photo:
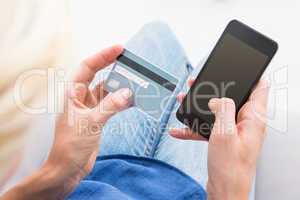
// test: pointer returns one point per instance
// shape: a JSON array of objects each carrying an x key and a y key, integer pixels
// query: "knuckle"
[
  {"x": 106, "y": 59},
  {"x": 93, "y": 118},
  {"x": 219, "y": 138},
  {"x": 85, "y": 64},
  {"x": 261, "y": 126},
  {"x": 96, "y": 118},
  {"x": 258, "y": 110},
  {"x": 114, "y": 102},
  {"x": 228, "y": 101}
]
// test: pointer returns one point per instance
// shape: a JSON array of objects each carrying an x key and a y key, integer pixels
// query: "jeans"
[{"x": 133, "y": 132}]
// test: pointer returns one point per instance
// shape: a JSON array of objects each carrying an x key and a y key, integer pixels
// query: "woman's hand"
[
  {"x": 77, "y": 133},
  {"x": 234, "y": 145},
  {"x": 78, "y": 129}
]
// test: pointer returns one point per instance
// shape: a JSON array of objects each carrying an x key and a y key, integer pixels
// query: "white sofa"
[{"x": 278, "y": 174}]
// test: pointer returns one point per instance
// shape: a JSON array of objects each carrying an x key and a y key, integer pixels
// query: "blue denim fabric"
[{"x": 132, "y": 132}]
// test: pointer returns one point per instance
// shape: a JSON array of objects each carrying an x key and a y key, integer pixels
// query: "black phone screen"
[{"x": 230, "y": 71}]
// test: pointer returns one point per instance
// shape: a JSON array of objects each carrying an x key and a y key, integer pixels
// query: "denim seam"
[
  {"x": 150, "y": 145},
  {"x": 163, "y": 123}
]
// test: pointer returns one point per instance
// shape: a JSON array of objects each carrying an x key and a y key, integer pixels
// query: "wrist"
[
  {"x": 47, "y": 183},
  {"x": 217, "y": 192},
  {"x": 57, "y": 181}
]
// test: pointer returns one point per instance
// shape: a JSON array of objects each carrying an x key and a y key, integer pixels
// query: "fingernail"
[
  {"x": 212, "y": 102},
  {"x": 172, "y": 129},
  {"x": 126, "y": 93}
]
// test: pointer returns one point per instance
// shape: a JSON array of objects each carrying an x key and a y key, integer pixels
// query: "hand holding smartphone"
[{"x": 232, "y": 70}]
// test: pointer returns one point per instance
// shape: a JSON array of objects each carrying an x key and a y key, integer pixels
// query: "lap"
[
  {"x": 156, "y": 43},
  {"x": 129, "y": 132},
  {"x": 132, "y": 132},
  {"x": 186, "y": 155}
]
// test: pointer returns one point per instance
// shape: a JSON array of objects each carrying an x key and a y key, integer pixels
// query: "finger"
[
  {"x": 191, "y": 82},
  {"x": 91, "y": 65},
  {"x": 255, "y": 109},
  {"x": 260, "y": 93},
  {"x": 93, "y": 97},
  {"x": 257, "y": 103},
  {"x": 111, "y": 104},
  {"x": 79, "y": 104},
  {"x": 91, "y": 100},
  {"x": 99, "y": 91},
  {"x": 79, "y": 91},
  {"x": 186, "y": 134},
  {"x": 180, "y": 97},
  {"x": 224, "y": 111},
  {"x": 71, "y": 105}
]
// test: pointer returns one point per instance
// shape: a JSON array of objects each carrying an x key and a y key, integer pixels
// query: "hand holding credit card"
[{"x": 152, "y": 87}]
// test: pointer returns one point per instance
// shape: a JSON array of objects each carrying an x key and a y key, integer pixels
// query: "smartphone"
[{"x": 233, "y": 68}]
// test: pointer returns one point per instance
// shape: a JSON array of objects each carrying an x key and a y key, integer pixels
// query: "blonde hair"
[{"x": 34, "y": 34}]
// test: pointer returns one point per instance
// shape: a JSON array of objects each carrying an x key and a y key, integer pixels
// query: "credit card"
[{"x": 152, "y": 86}]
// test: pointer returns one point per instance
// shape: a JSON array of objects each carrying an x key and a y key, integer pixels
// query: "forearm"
[{"x": 46, "y": 183}]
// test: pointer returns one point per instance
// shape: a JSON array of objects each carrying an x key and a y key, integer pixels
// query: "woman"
[{"x": 89, "y": 161}]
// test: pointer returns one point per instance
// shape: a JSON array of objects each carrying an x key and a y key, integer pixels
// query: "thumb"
[
  {"x": 111, "y": 104},
  {"x": 224, "y": 111},
  {"x": 79, "y": 91}
]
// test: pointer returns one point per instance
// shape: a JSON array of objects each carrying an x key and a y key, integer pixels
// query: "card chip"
[{"x": 113, "y": 84}]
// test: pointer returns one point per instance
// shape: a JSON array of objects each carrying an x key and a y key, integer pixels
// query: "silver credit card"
[{"x": 152, "y": 86}]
